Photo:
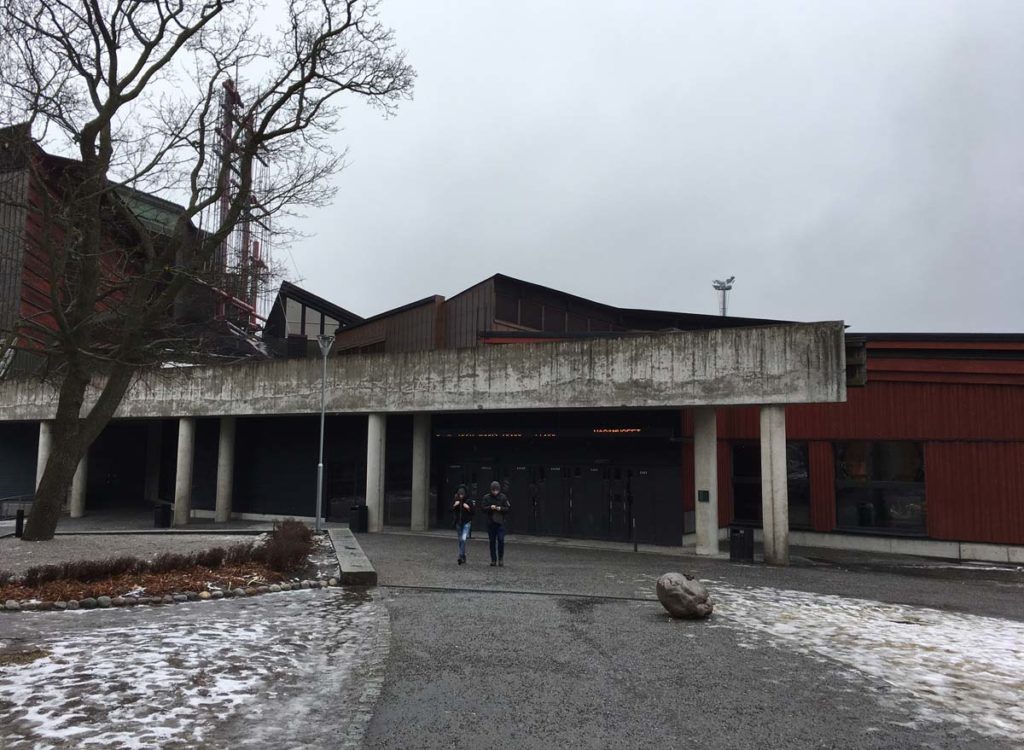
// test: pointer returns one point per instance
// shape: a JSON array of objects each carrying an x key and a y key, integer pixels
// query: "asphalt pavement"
[{"x": 562, "y": 647}]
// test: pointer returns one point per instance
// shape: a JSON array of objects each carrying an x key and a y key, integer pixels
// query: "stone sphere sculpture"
[{"x": 684, "y": 596}]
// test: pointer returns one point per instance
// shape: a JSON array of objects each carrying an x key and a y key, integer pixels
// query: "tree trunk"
[
  {"x": 71, "y": 438},
  {"x": 53, "y": 488}
]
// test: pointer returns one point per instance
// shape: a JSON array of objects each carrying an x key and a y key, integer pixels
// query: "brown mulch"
[{"x": 196, "y": 579}]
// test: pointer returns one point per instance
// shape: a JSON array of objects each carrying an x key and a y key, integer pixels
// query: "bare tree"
[{"x": 135, "y": 89}]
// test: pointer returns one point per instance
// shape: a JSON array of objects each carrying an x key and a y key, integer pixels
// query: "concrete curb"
[{"x": 355, "y": 567}]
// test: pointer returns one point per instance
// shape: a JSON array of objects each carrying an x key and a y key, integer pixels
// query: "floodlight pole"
[
  {"x": 325, "y": 342},
  {"x": 723, "y": 288}
]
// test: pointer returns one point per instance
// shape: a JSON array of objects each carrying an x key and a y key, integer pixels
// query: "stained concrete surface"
[{"x": 559, "y": 649}]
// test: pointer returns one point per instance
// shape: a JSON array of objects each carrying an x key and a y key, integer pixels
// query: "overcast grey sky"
[{"x": 861, "y": 161}]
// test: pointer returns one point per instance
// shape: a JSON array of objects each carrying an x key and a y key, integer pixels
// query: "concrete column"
[
  {"x": 420, "y": 472},
  {"x": 774, "y": 485},
  {"x": 154, "y": 445},
  {"x": 376, "y": 433},
  {"x": 43, "y": 453},
  {"x": 705, "y": 475},
  {"x": 78, "y": 487},
  {"x": 225, "y": 468},
  {"x": 183, "y": 473}
]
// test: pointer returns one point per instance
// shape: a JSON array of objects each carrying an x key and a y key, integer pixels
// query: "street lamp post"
[{"x": 325, "y": 342}]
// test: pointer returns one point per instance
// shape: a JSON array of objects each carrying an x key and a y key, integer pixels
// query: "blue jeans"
[
  {"x": 463, "y": 529},
  {"x": 496, "y": 533}
]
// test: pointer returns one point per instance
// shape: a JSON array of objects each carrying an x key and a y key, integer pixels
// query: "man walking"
[
  {"x": 463, "y": 508},
  {"x": 497, "y": 506}
]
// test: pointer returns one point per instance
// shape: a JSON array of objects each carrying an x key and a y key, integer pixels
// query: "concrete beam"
[
  {"x": 78, "y": 485},
  {"x": 420, "y": 472},
  {"x": 705, "y": 475},
  {"x": 774, "y": 485},
  {"x": 799, "y": 363},
  {"x": 376, "y": 436},
  {"x": 225, "y": 469},
  {"x": 183, "y": 474}
]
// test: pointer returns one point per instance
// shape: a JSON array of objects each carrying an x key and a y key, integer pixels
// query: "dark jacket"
[
  {"x": 461, "y": 514},
  {"x": 501, "y": 500}
]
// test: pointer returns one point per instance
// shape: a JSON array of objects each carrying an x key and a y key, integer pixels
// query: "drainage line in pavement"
[{"x": 516, "y": 592}]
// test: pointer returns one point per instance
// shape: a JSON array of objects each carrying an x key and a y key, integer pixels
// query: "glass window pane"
[
  {"x": 897, "y": 462},
  {"x": 746, "y": 460},
  {"x": 799, "y": 505},
  {"x": 796, "y": 461},
  {"x": 853, "y": 461},
  {"x": 747, "y": 501}
]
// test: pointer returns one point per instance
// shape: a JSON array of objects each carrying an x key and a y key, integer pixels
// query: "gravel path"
[{"x": 17, "y": 556}]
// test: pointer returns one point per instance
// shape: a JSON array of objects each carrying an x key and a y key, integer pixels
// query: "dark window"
[
  {"x": 554, "y": 319},
  {"x": 746, "y": 483},
  {"x": 506, "y": 308},
  {"x": 880, "y": 486},
  {"x": 577, "y": 323},
  {"x": 531, "y": 313}
]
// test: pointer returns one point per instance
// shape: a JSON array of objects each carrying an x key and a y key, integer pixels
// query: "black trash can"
[
  {"x": 162, "y": 514},
  {"x": 741, "y": 543},
  {"x": 358, "y": 519}
]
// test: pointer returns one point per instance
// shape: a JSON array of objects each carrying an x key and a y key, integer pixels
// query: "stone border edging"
[
  {"x": 354, "y": 566},
  {"x": 355, "y": 578},
  {"x": 107, "y": 602}
]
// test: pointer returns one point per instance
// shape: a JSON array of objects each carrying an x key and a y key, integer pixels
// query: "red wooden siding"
[
  {"x": 975, "y": 491},
  {"x": 897, "y": 411},
  {"x": 822, "y": 468}
]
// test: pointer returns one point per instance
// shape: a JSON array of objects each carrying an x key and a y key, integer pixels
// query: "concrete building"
[{"x": 601, "y": 422}]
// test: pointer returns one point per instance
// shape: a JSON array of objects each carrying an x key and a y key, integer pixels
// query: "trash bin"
[
  {"x": 162, "y": 515},
  {"x": 741, "y": 543},
  {"x": 358, "y": 519}
]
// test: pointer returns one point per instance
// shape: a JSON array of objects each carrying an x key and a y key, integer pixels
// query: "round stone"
[
  {"x": 217, "y": 594},
  {"x": 306, "y": 585},
  {"x": 180, "y": 598},
  {"x": 683, "y": 596},
  {"x": 59, "y": 605},
  {"x": 73, "y": 604},
  {"x": 204, "y": 595},
  {"x": 192, "y": 596},
  {"x": 103, "y": 602},
  {"x": 27, "y": 606},
  {"x": 119, "y": 601},
  {"x": 275, "y": 587},
  {"x": 87, "y": 603},
  {"x": 238, "y": 592},
  {"x": 12, "y": 606},
  {"x": 332, "y": 582},
  {"x": 251, "y": 591},
  {"x": 168, "y": 599},
  {"x": 263, "y": 589}
]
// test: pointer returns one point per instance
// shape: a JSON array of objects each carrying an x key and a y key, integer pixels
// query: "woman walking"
[{"x": 463, "y": 507}]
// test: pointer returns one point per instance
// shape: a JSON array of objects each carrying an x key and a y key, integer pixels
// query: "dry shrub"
[
  {"x": 165, "y": 562},
  {"x": 43, "y": 574},
  {"x": 238, "y": 554},
  {"x": 211, "y": 558},
  {"x": 287, "y": 547}
]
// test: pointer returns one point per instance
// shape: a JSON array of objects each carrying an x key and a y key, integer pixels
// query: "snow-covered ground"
[
  {"x": 947, "y": 666},
  {"x": 293, "y": 669}
]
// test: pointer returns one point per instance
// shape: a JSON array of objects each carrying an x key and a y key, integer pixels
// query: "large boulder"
[{"x": 684, "y": 596}]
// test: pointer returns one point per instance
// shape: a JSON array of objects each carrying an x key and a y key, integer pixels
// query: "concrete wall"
[{"x": 802, "y": 363}]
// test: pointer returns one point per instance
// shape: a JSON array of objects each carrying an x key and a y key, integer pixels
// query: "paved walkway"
[{"x": 563, "y": 647}]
